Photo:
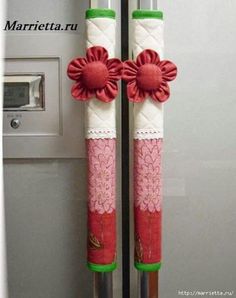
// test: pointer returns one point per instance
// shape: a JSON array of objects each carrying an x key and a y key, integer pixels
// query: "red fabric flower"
[
  {"x": 95, "y": 75},
  {"x": 148, "y": 76}
]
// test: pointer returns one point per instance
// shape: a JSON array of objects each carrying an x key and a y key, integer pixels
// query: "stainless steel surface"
[
  {"x": 100, "y": 3},
  {"x": 148, "y": 284},
  {"x": 56, "y": 131},
  {"x": 103, "y": 285},
  {"x": 148, "y": 4},
  {"x": 199, "y": 167},
  {"x": 3, "y": 271},
  {"x": 143, "y": 284}
]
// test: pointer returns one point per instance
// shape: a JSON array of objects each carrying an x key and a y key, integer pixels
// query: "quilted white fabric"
[
  {"x": 148, "y": 34},
  {"x": 148, "y": 120},
  {"x": 100, "y": 116},
  {"x": 148, "y": 116},
  {"x": 100, "y": 119},
  {"x": 101, "y": 32}
]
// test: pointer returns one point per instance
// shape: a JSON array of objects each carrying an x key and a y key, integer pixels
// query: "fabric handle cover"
[
  {"x": 101, "y": 155},
  {"x": 148, "y": 138}
]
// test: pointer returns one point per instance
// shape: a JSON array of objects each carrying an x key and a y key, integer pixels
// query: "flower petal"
[
  {"x": 81, "y": 93},
  {"x": 148, "y": 56},
  {"x": 115, "y": 68},
  {"x": 108, "y": 93},
  {"x": 97, "y": 54},
  {"x": 134, "y": 93},
  {"x": 162, "y": 94},
  {"x": 169, "y": 70},
  {"x": 75, "y": 68},
  {"x": 130, "y": 70}
]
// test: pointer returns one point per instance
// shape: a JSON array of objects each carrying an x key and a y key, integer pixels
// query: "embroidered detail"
[
  {"x": 147, "y": 174},
  {"x": 148, "y": 76},
  {"x": 101, "y": 175},
  {"x": 147, "y": 134},
  {"x": 138, "y": 253},
  {"x": 101, "y": 134},
  {"x": 95, "y": 75},
  {"x": 93, "y": 242}
]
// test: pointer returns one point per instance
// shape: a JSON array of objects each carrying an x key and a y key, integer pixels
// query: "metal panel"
[
  {"x": 58, "y": 131},
  {"x": 148, "y": 4}
]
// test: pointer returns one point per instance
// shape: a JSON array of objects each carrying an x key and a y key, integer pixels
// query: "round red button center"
[
  {"x": 149, "y": 77},
  {"x": 95, "y": 75}
]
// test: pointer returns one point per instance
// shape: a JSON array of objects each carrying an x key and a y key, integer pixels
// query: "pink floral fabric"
[
  {"x": 101, "y": 175},
  {"x": 147, "y": 174}
]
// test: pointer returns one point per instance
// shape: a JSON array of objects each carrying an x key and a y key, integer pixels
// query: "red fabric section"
[
  {"x": 147, "y": 236},
  {"x": 101, "y": 238},
  {"x": 101, "y": 201},
  {"x": 147, "y": 200}
]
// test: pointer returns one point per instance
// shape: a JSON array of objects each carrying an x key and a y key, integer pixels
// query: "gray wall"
[
  {"x": 45, "y": 200},
  {"x": 200, "y": 148}
]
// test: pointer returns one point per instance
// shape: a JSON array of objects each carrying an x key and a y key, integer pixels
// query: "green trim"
[
  {"x": 147, "y": 14},
  {"x": 147, "y": 267},
  {"x": 100, "y": 13},
  {"x": 102, "y": 268}
]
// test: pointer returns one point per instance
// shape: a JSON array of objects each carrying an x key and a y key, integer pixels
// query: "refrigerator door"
[
  {"x": 45, "y": 166},
  {"x": 199, "y": 149}
]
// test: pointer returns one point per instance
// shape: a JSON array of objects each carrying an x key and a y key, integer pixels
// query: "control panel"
[{"x": 40, "y": 117}]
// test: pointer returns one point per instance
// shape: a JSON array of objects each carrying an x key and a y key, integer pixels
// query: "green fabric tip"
[
  {"x": 100, "y": 13},
  {"x": 102, "y": 268},
  {"x": 147, "y": 267},
  {"x": 147, "y": 14}
]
